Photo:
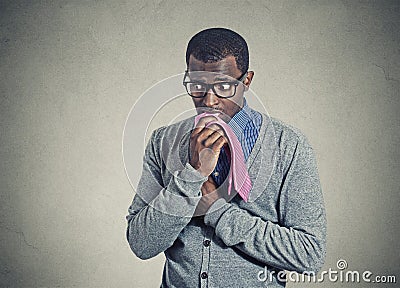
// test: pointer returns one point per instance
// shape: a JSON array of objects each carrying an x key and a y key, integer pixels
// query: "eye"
[
  {"x": 196, "y": 86},
  {"x": 223, "y": 86}
]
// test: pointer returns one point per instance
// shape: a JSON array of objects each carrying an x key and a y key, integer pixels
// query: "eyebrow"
[
  {"x": 218, "y": 79},
  {"x": 203, "y": 79},
  {"x": 222, "y": 79}
]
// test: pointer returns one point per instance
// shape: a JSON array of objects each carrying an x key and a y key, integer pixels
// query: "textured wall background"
[{"x": 71, "y": 70}]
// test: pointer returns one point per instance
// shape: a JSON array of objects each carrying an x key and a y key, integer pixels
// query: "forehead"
[{"x": 226, "y": 66}]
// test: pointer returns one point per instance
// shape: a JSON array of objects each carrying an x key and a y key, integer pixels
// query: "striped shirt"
[{"x": 246, "y": 125}]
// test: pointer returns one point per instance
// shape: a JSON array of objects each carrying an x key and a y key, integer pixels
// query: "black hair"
[{"x": 215, "y": 44}]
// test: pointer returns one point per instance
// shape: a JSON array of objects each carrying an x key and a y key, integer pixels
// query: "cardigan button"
[
  {"x": 204, "y": 275},
  {"x": 206, "y": 243}
]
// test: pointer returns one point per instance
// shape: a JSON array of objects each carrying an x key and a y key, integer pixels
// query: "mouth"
[
  {"x": 209, "y": 110},
  {"x": 218, "y": 112}
]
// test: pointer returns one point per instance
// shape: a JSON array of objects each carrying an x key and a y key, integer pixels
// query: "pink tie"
[{"x": 238, "y": 170}]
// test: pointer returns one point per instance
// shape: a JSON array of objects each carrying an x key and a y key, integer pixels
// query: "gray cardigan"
[{"x": 236, "y": 244}]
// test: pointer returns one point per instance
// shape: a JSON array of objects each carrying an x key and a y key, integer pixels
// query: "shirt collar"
[{"x": 240, "y": 120}]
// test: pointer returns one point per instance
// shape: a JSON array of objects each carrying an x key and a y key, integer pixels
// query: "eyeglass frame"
[{"x": 211, "y": 86}]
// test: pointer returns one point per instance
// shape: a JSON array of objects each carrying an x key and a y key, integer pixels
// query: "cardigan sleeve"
[
  {"x": 298, "y": 241},
  {"x": 159, "y": 211}
]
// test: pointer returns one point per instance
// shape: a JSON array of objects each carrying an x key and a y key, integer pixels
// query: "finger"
[
  {"x": 216, "y": 147},
  {"x": 201, "y": 132},
  {"x": 212, "y": 139},
  {"x": 196, "y": 131},
  {"x": 204, "y": 134},
  {"x": 218, "y": 128},
  {"x": 205, "y": 120}
]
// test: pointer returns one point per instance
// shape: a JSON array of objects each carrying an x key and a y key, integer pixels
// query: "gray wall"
[{"x": 71, "y": 70}]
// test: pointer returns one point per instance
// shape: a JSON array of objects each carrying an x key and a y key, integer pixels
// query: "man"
[{"x": 212, "y": 238}]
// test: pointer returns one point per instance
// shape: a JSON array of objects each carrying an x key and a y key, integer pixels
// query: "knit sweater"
[{"x": 236, "y": 244}]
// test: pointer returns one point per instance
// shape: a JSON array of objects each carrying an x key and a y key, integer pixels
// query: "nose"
[{"x": 210, "y": 100}]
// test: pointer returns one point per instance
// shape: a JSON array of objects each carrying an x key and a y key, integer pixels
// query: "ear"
[{"x": 247, "y": 81}]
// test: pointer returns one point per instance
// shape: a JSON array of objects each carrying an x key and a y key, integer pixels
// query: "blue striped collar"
[{"x": 240, "y": 120}]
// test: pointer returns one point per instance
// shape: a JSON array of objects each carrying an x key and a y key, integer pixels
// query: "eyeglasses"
[{"x": 222, "y": 89}]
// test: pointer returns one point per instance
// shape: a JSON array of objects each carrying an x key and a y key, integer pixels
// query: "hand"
[
  {"x": 212, "y": 193},
  {"x": 205, "y": 145}
]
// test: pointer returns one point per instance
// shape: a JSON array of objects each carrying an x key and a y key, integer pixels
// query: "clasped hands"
[{"x": 205, "y": 148}]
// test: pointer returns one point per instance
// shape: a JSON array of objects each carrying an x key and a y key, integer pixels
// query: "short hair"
[{"x": 215, "y": 44}]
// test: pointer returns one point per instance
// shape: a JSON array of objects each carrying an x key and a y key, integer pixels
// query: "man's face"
[{"x": 223, "y": 70}]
